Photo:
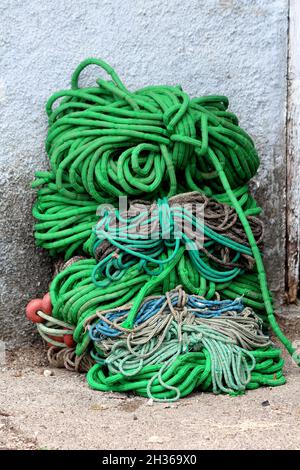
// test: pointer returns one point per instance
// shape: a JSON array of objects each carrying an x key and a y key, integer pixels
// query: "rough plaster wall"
[{"x": 231, "y": 47}]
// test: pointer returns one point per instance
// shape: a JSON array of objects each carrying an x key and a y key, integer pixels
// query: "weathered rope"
[
  {"x": 189, "y": 372},
  {"x": 65, "y": 224},
  {"x": 106, "y": 140},
  {"x": 144, "y": 233},
  {"x": 75, "y": 297},
  {"x": 160, "y": 147},
  {"x": 67, "y": 358},
  {"x": 174, "y": 325}
]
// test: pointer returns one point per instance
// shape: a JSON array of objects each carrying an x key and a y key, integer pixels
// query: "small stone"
[
  {"x": 265, "y": 403},
  {"x": 150, "y": 402},
  {"x": 98, "y": 407},
  {"x": 135, "y": 418},
  {"x": 48, "y": 373}
]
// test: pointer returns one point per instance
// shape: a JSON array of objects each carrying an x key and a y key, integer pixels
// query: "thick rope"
[
  {"x": 162, "y": 149},
  {"x": 174, "y": 325}
]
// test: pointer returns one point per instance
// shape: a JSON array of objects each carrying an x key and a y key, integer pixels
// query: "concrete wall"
[{"x": 231, "y": 47}]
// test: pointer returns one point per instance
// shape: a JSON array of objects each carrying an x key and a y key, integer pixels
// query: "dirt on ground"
[{"x": 60, "y": 411}]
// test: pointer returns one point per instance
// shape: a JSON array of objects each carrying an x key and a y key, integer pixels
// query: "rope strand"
[{"x": 155, "y": 299}]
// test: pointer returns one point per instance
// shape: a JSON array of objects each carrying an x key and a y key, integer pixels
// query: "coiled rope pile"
[{"x": 158, "y": 299}]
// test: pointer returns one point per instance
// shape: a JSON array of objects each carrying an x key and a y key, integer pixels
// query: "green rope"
[
  {"x": 156, "y": 144},
  {"x": 75, "y": 298},
  {"x": 105, "y": 142},
  {"x": 188, "y": 372},
  {"x": 174, "y": 330}
]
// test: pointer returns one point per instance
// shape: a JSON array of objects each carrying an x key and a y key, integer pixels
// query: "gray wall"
[{"x": 231, "y": 47}]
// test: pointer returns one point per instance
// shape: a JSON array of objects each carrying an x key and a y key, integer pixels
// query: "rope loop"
[{"x": 169, "y": 294}]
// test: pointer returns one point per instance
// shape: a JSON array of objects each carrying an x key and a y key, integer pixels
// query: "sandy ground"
[{"x": 61, "y": 412}]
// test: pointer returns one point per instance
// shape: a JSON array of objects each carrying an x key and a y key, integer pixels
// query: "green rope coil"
[
  {"x": 107, "y": 141},
  {"x": 75, "y": 298},
  {"x": 189, "y": 371},
  {"x": 65, "y": 225},
  {"x": 155, "y": 144}
]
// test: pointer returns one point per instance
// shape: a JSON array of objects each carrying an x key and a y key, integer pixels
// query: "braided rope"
[
  {"x": 167, "y": 149},
  {"x": 189, "y": 372},
  {"x": 176, "y": 324},
  {"x": 107, "y": 140},
  {"x": 142, "y": 234}
]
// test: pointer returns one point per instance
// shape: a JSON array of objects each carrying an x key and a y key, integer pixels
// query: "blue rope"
[{"x": 199, "y": 307}]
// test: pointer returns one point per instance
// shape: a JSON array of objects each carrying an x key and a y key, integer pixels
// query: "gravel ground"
[{"x": 61, "y": 412}]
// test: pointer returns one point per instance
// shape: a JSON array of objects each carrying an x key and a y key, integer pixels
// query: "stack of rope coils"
[{"x": 156, "y": 298}]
